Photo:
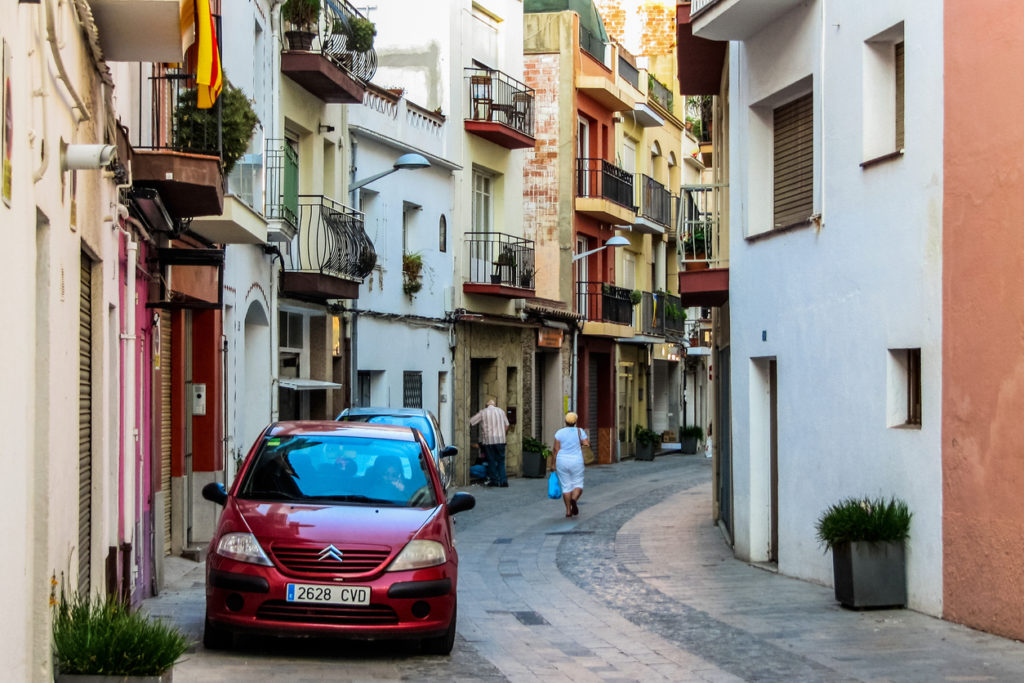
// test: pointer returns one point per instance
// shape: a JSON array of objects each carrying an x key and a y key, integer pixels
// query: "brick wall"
[{"x": 649, "y": 29}]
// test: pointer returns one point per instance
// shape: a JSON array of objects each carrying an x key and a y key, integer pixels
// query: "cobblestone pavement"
[{"x": 639, "y": 587}]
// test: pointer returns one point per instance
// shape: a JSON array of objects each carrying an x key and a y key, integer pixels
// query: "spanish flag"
[{"x": 199, "y": 31}]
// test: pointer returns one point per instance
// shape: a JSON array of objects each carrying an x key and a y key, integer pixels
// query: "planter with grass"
[
  {"x": 535, "y": 455},
  {"x": 691, "y": 436},
  {"x": 97, "y": 639},
  {"x": 867, "y": 538},
  {"x": 646, "y": 441}
]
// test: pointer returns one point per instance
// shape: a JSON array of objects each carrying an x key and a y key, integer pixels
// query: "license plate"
[{"x": 328, "y": 594}]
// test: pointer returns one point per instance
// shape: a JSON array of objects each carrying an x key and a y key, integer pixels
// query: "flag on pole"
[{"x": 209, "y": 79}]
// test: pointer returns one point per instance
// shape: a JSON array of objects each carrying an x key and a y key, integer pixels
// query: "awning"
[{"x": 302, "y": 384}]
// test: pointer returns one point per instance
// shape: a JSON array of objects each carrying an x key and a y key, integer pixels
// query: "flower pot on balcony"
[
  {"x": 495, "y": 278},
  {"x": 300, "y": 40}
]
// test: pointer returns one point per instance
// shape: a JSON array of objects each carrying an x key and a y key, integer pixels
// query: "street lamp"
[
  {"x": 410, "y": 161},
  {"x": 616, "y": 241}
]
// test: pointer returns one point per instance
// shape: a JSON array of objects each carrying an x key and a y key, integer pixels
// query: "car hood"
[{"x": 350, "y": 524}]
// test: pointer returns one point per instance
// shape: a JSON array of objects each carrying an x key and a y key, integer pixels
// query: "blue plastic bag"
[{"x": 554, "y": 487}]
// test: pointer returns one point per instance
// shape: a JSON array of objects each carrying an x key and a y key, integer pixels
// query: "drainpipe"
[{"x": 129, "y": 431}]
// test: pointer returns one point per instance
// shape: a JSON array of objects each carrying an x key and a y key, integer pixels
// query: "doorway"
[{"x": 764, "y": 461}]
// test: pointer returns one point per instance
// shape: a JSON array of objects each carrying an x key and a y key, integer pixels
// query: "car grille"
[
  {"x": 357, "y": 615},
  {"x": 306, "y": 560}
]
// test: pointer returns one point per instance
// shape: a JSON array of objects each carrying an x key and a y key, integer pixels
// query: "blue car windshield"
[
  {"x": 415, "y": 421},
  {"x": 339, "y": 469}
]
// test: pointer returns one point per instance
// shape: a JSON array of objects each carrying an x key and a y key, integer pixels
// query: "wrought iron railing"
[
  {"x": 654, "y": 200},
  {"x": 600, "y": 301},
  {"x": 176, "y": 123},
  {"x": 281, "y": 193},
  {"x": 496, "y": 96},
  {"x": 592, "y": 44},
  {"x": 661, "y": 315},
  {"x": 600, "y": 178},
  {"x": 657, "y": 91},
  {"x": 700, "y": 238},
  {"x": 629, "y": 72},
  {"x": 499, "y": 259},
  {"x": 334, "y": 43},
  {"x": 330, "y": 240}
]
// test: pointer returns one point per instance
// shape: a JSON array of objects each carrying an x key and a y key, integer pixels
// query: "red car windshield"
[{"x": 339, "y": 469}]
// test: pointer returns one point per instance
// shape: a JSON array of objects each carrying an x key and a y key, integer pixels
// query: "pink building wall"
[{"x": 983, "y": 316}]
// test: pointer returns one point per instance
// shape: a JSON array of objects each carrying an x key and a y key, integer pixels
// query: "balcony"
[
  {"x": 654, "y": 206},
  {"x": 240, "y": 222},
  {"x": 139, "y": 30},
  {"x": 500, "y": 265},
  {"x": 330, "y": 254},
  {"x": 702, "y": 244},
  {"x": 500, "y": 109},
  {"x": 604, "y": 191},
  {"x": 323, "y": 64},
  {"x": 661, "y": 315},
  {"x": 281, "y": 191},
  {"x": 606, "y": 309},
  {"x": 185, "y": 169},
  {"x": 735, "y": 19},
  {"x": 700, "y": 61}
]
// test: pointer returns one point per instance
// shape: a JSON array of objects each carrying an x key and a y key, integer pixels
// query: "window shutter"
[
  {"x": 794, "y": 161},
  {"x": 899, "y": 95},
  {"x": 412, "y": 390}
]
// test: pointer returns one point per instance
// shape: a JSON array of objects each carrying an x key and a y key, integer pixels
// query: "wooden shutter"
[
  {"x": 899, "y": 95},
  {"x": 592, "y": 405},
  {"x": 794, "y": 161},
  {"x": 165, "y": 425},
  {"x": 85, "y": 427}
]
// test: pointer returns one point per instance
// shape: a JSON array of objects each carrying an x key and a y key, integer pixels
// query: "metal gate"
[
  {"x": 592, "y": 403},
  {"x": 85, "y": 426}
]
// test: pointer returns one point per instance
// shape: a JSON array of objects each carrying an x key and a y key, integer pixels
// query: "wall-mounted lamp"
[
  {"x": 409, "y": 161},
  {"x": 85, "y": 157},
  {"x": 616, "y": 241},
  {"x": 324, "y": 128}
]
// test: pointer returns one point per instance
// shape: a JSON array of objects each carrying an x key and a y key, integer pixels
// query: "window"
[
  {"x": 364, "y": 388},
  {"x": 793, "y": 164},
  {"x": 904, "y": 388},
  {"x": 290, "y": 332},
  {"x": 629, "y": 270},
  {"x": 883, "y": 96},
  {"x": 412, "y": 389},
  {"x": 409, "y": 211},
  {"x": 482, "y": 202},
  {"x": 442, "y": 234}
]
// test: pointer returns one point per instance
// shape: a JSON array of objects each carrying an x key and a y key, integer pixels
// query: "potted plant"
[
  {"x": 690, "y": 436},
  {"x": 97, "y": 637},
  {"x": 412, "y": 272},
  {"x": 506, "y": 259},
  {"x": 697, "y": 245},
  {"x": 867, "y": 537},
  {"x": 636, "y": 296},
  {"x": 526, "y": 277},
  {"x": 359, "y": 32},
  {"x": 195, "y": 129},
  {"x": 645, "y": 441},
  {"x": 304, "y": 16},
  {"x": 535, "y": 455}
]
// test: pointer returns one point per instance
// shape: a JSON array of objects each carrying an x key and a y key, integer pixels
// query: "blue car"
[{"x": 417, "y": 418}]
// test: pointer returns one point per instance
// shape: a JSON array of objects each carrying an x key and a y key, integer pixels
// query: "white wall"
[{"x": 827, "y": 303}]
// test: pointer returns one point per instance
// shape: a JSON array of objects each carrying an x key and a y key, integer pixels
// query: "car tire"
[
  {"x": 216, "y": 637},
  {"x": 441, "y": 645}
]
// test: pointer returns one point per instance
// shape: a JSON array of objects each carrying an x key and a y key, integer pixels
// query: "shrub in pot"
[
  {"x": 304, "y": 16},
  {"x": 866, "y": 537},
  {"x": 106, "y": 637},
  {"x": 535, "y": 455},
  {"x": 691, "y": 435},
  {"x": 195, "y": 130},
  {"x": 645, "y": 441}
]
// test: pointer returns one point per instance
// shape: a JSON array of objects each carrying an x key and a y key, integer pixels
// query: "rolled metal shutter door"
[
  {"x": 165, "y": 426},
  {"x": 85, "y": 426}
]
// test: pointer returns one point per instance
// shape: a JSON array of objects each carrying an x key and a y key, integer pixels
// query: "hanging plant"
[
  {"x": 412, "y": 273},
  {"x": 195, "y": 130}
]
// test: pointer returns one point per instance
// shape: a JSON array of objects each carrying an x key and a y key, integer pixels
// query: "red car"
[{"x": 335, "y": 529}]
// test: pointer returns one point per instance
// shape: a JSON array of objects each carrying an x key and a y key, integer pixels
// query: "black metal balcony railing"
[
  {"x": 496, "y": 96},
  {"x": 600, "y": 178},
  {"x": 333, "y": 42},
  {"x": 175, "y": 121},
  {"x": 699, "y": 225},
  {"x": 661, "y": 315},
  {"x": 629, "y": 72},
  {"x": 654, "y": 200},
  {"x": 281, "y": 193},
  {"x": 600, "y": 301},
  {"x": 330, "y": 240},
  {"x": 658, "y": 92},
  {"x": 499, "y": 259},
  {"x": 592, "y": 44}
]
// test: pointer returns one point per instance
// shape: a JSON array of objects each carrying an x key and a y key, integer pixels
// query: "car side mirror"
[
  {"x": 461, "y": 501},
  {"x": 215, "y": 493},
  {"x": 449, "y": 452}
]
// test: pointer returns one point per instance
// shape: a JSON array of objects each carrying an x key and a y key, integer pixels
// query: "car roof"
[
  {"x": 385, "y": 410},
  {"x": 363, "y": 430}
]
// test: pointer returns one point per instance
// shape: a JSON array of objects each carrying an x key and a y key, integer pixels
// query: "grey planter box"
[
  {"x": 645, "y": 452},
  {"x": 534, "y": 465},
  {"x": 166, "y": 677},
  {"x": 870, "y": 574},
  {"x": 689, "y": 445}
]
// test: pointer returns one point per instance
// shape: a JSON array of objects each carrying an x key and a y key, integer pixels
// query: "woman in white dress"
[{"x": 567, "y": 460}]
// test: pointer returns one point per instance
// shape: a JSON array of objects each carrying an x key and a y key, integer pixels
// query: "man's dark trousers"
[{"x": 496, "y": 463}]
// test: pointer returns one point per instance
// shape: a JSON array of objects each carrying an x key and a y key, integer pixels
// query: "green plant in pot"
[
  {"x": 697, "y": 243},
  {"x": 195, "y": 130},
  {"x": 866, "y": 537},
  {"x": 535, "y": 455},
  {"x": 412, "y": 272},
  {"x": 690, "y": 436},
  {"x": 304, "y": 16},
  {"x": 359, "y": 32},
  {"x": 105, "y": 637},
  {"x": 645, "y": 442},
  {"x": 636, "y": 296}
]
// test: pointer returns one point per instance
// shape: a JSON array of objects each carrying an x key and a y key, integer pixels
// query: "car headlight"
[
  {"x": 417, "y": 555},
  {"x": 244, "y": 547}
]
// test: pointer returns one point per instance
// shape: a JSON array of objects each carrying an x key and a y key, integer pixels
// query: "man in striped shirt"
[{"x": 493, "y": 427}]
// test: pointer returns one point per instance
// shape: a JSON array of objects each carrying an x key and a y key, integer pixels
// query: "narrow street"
[{"x": 641, "y": 586}]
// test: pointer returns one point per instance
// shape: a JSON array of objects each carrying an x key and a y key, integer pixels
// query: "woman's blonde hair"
[{"x": 570, "y": 418}]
